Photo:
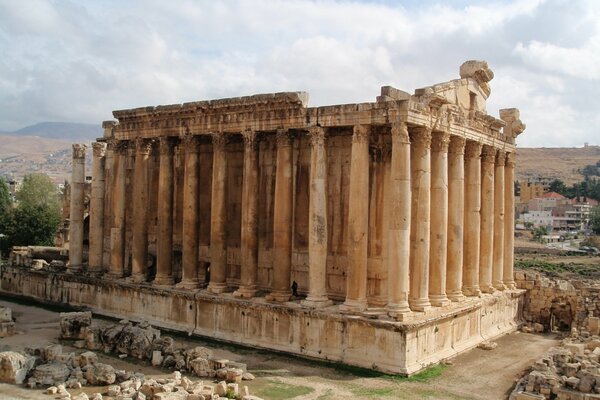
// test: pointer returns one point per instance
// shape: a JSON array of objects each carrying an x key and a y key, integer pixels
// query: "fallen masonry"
[
  {"x": 49, "y": 366},
  {"x": 568, "y": 372}
]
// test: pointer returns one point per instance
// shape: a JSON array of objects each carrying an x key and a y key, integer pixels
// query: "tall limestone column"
[
  {"x": 439, "y": 220},
  {"x": 97, "y": 208},
  {"x": 472, "y": 219},
  {"x": 218, "y": 216},
  {"x": 498, "y": 262},
  {"x": 249, "y": 237},
  {"x": 399, "y": 225},
  {"x": 317, "y": 222},
  {"x": 488, "y": 158},
  {"x": 139, "y": 253},
  {"x": 117, "y": 230},
  {"x": 358, "y": 222},
  {"x": 456, "y": 212},
  {"x": 77, "y": 208},
  {"x": 282, "y": 220},
  {"x": 509, "y": 221},
  {"x": 420, "y": 158},
  {"x": 164, "y": 237},
  {"x": 190, "y": 237}
]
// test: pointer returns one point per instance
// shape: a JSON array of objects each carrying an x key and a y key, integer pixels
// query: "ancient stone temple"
[{"x": 377, "y": 234}]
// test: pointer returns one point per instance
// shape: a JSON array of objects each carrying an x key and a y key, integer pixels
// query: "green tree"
[
  {"x": 38, "y": 190},
  {"x": 5, "y": 199},
  {"x": 557, "y": 186},
  {"x": 595, "y": 219},
  {"x": 36, "y": 217}
]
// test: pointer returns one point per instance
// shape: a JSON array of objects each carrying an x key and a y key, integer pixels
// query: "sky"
[{"x": 76, "y": 61}]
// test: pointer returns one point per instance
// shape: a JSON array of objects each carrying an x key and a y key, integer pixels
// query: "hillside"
[
  {"x": 61, "y": 130},
  {"x": 555, "y": 163}
]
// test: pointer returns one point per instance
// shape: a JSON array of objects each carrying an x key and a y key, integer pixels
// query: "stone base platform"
[{"x": 368, "y": 341}]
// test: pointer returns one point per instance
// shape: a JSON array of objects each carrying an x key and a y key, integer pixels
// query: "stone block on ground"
[
  {"x": 100, "y": 374},
  {"x": 14, "y": 367},
  {"x": 75, "y": 325},
  {"x": 50, "y": 374}
]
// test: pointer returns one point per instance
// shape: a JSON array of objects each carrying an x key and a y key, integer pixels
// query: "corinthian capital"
[
  {"x": 488, "y": 155},
  {"x": 219, "y": 140},
  {"x": 284, "y": 138},
  {"x": 250, "y": 140},
  {"x": 361, "y": 133},
  {"x": 421, "y": 138},
  {"x": 457, "y": 145},
  {"x": 399, "y": 132},
  {"x": 317, "y": 136},
  {"x": 440, "y": 142},
  {"x": 99, "y": 149},
  {"x": 79, "y": 150},
  {"x": 473, "y": 149}
]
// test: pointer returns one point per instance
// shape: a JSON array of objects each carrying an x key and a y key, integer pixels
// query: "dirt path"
[{"x": 477, "y": 374}]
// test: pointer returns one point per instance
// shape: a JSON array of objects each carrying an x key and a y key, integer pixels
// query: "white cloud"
[{"x": 79, "y": 61}]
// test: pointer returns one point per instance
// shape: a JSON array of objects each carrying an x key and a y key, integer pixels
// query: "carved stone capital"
[
  {"x": 79, "y": 151},
  {"x": 501, "y": 158},
  {"x": 440, "y": 142},
  {"x": 510, "y": 160},
  {"x": 219, "y": 140},
  {"x": 166, "y": 145},
  {"x": 421, "y": 138},
  {"x": 99, "y": 149},
  {"x": 473, "y": 149},
  {"x": 488, "y": 154},
  {"x": 361, "y": 133},
  {"x": 399, "y": 132},
  {"x": 317, "y": 136},
  {"x": 143, "y": 146},
  {"x": 457, "y": 145},
  {"x": 191, "y": 143},
  {"x": 121, "y": 147},
  {"x": 250, "y": 140},
  {"x": 284, "y": 138}
]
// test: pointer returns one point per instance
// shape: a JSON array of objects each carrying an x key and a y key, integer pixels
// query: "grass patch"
[
  {"x": 282, "y": 391},
  {"x": 554, "y": 269},
  {"x": 372, "y": 392},
  {"x": 424, "y": 376}
]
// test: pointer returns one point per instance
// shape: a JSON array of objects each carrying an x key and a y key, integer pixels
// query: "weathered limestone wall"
[
  {"x": 557, "y": 303},
  {"x": 392, "y": 346}
]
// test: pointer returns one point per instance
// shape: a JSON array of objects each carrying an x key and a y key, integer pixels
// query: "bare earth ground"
[{"x": 477, "y": 374}]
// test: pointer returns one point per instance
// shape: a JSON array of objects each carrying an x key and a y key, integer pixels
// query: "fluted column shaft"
[
  {"x": 249, "y": 237},
  {"x": 498, "y": 263},
  {"x": 76, "y": 207},
  {"x": 317, "y": 222},
  {"x": 97, "y": 208},
  {"x": 509, "y": 221},
  {"x": 439, "y": 220},
  {"x": 488, "y": 158},
  {"x": 190, "y": 230},
  {"x": 456, "y": 211},
  {"x": 420, "y": 159},
  {"x": 358, "y": 222},
  {"x": 117, "y": 231},
  {"x": 164, "y": 240},
  {"x": 218, "y": 216},
  {"x": 399, "y": 225},
  {"x": 139, "y": 253},
  {"x": 282, "y": 220},
  {"x": 472, "y": 220}
]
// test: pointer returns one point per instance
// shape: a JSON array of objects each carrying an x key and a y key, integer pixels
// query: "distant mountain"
[{"x": 61, "y": 130}]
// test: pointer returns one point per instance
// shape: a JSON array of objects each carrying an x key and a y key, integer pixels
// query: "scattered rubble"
[{"x": 568, "y": 372}]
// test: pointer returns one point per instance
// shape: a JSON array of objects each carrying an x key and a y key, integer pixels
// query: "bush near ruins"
[{"x": 34, "y": 217}]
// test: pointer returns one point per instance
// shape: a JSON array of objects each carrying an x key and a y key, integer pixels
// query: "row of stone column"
[{"x": 448, "y": 233}]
